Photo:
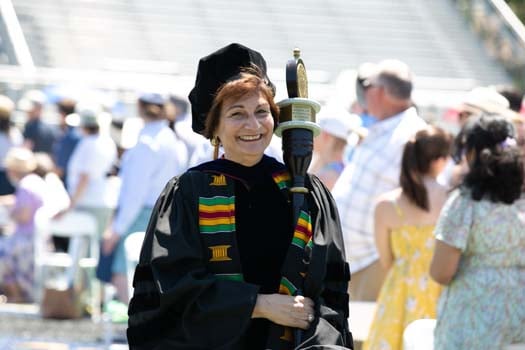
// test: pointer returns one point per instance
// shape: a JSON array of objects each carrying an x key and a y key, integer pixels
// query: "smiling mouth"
[{"x": 250, "y": 137}]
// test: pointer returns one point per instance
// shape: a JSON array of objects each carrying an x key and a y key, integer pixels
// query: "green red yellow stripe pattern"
[
  {"x": 287, "y": 287},
  {"x": 303, "y": 230},
  {"x": 216, "y": 214},
  {"x": 281, "y": 179}
]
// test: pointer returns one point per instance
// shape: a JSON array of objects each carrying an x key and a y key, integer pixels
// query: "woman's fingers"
[
  {"x": 305, "y": 306},
  {"x": 304, "y": 313},
  {"x": 297, "y": 311},
  {"x": 299, "y": 319},
  {"x": 304, "y": 300}
]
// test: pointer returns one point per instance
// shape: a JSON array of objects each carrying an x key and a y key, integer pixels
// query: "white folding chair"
[
  {"x": 132, "y": 246},
  {"x": 419, "y": 335},
  {"x": 82, "y": 254}
]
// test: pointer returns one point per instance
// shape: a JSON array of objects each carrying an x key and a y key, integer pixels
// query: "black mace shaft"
[
  {"x": 297, "y": 155},
  {"x": 297, "y": 128}
]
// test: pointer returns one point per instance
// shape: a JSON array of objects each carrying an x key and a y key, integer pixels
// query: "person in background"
[
  {"x": 404, "y": 221},
  {"x": 364, "y": 71},
  {"x": 177, "y": 109},
  {"x": 480, "y": 100},
  {"x": 515, "y": 98},
  {"x": 16, "y": 249},
  {"x": 480, "y": 240},
  {"x": 180, "y": 122},
  {"x": 358, "y": 134},
  {"x": 374, "y": 169},
  {"x": 38, "y": 135},
  {"x": 359, "y": 107},
  {"x": 67, "y": 140},
  {"x": 513, "y": 95},
  {"x": 56, "y": 198},
  {"x": 9, "y": 137},
  {"x": 223, "y": 264},
  {"x": 336, "y": 125},
  {"x": 144, "y": 171},
  {"x": 89, "y": 166}
]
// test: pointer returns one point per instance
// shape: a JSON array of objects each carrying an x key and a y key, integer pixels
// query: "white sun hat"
[{"x": 340, "y": 123}]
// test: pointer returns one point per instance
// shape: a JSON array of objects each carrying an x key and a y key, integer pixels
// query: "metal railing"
[{"x": 16, "y": 36}]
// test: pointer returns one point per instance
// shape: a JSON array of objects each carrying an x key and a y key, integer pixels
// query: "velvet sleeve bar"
[{"x": 178, "y": 303}]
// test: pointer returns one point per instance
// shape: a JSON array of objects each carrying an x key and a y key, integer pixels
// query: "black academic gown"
[{"x": 190, "y": 295}]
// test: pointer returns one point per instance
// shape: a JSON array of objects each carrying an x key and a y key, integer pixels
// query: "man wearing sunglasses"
[{"x": 385, "y": 91}]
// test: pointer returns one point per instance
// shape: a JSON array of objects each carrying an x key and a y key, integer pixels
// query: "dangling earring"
[{"x": 215, "y": 142}]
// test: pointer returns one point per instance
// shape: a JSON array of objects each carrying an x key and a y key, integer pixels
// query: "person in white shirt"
[
  {"x": 374, "y": 169},
  {"x": 88, "y": 168},
  {"x": 145, "y": 170}
]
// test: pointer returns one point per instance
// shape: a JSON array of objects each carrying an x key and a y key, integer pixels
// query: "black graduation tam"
[{"x": 216, "y": 69}]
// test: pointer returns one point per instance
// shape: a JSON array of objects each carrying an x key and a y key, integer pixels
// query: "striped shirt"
[{"x": 373, "y": 170}]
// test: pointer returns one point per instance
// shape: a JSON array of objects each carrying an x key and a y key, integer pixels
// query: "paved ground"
[{"x": 22, "y": 328}]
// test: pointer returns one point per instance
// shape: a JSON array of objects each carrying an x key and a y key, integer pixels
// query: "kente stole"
[{"x": 218, "y": 228}]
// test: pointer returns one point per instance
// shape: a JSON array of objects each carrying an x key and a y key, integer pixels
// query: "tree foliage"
[{"x": 518, "y": 6}]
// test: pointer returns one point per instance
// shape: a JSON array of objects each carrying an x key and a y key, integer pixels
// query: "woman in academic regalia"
[{"x": 223, "y": 265}]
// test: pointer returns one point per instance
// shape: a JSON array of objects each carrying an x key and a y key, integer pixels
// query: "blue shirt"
[
  {"x": 367, "y": 120},
  {"x": 63, "y": 149},
  {"x": 145, "y": 170},
  {"x": 42, "y": 135}
]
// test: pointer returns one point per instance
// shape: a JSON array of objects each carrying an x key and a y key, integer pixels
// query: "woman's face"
[{"x": 245, "y": 128}]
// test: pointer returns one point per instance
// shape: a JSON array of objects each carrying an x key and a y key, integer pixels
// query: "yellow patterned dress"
[{"x": 408, "y": 292}]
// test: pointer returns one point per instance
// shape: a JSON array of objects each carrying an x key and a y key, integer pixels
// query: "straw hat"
[
  {"x": 20, "y": 160},
  {"x": 6, "y": 107},
  {"x": 488, "y": 100}
]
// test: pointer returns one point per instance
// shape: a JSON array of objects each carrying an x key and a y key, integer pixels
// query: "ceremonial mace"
[{"x": 297, "y": 129}]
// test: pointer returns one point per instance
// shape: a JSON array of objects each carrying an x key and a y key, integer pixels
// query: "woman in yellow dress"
[{"x": 404, "y": 223}]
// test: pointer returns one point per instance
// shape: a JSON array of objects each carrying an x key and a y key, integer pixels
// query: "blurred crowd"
[
  {"x": 86, "y": 163},
  {"x": 433, "y": 220},
  {"x": 427, "y": 215}
]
